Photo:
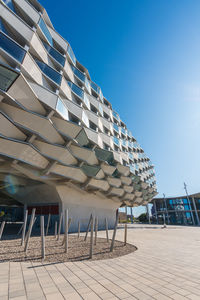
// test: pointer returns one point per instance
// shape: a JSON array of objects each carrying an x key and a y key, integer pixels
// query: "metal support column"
[
  {"x": 148, "y": 214},
  {"x": 185, "y": 187},
  {"x": 196, "y": 212},
  {"x": 155, "y": 208}
]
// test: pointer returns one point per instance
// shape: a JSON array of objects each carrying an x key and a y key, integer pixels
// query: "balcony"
[
  {"x": 130, "y": 144},
  {"x": 116, "y": 115},
  {"x": 132, "y": 169},
  {"x": 9, "y": 4},
  {"x": 12, "y": 48},
  {"x": 55, "y": 54},
  {"x": 115, "y": 127},
  {"x": 124, "y": 143},
  {"x": 71, "y": 54},
  {"x": 77, "y": 90},
  {"x": 130, "y": 155},
  {"x": 62, "y": 110},
  {"x": 49, "y": 72},
  {"x": 7, "y": 77},
  {"x": 123, "y": 131},
  {"x": 45, "y": 31},
  {"x": 116, "y": 141},
  {"x": 87, "y": 84},
  {"x": 129, "y": 133},
  {"x": 79, "y": 74},
  {"x": 94, "y": 87}
]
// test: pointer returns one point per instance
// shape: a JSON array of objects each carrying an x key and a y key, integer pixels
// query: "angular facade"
[{"x": 61, "y": 143}]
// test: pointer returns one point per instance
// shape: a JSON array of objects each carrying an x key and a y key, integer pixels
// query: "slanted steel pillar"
[
  {"x": 148, "y": 214},
  {"x": 166, "y": 211},
  {"x": 131, "y": 215},
  {"x": 154, "y": 203},
  {"x": 185, "y": 187},
  {"x": 196, "y": 212}
]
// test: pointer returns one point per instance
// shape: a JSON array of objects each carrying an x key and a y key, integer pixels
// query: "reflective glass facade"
[{"x": 177, "y": 211}]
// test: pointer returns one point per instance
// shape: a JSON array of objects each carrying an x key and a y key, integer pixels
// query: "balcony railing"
[
  {"x": 77, "y": 90},
  {"x": 132, "y": 169},
  {"x": 129, "y": 133},
  {"x": 116, "y": 127},
  {"x": 45, "y": 31},
  {"x": 9, "y": 3},
  {"x": 49, "y": 72},
  {"x": 116, "y": 115},
  {"x": 79, "y": 74},
  {"x": 123, "y": 131},
  {"x": 116, "y": 141},
  {"x": 7, "y": 77},
  {"x": 71, "y": 54},
  {"x": 62, "y": 110},
  {"x": 124, "y": 143},
  {"x": 86, "y": 101},
  {"x": 130, "y": 144},
  {"x": 12, "y": 48},
  {"x": 130, "y": 155},
  {"x": 55, "y": 54}
]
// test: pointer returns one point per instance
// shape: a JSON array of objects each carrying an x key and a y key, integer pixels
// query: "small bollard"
[
  {"x": 79, "y": 229},
  {"x": 66, "y": 230},
  {"x": 29, "y": 229},
  {"x": 91, "y": 237},
  {"x": 24, "y": 227},
  {"x": 59, "y": 227},
  {"x": 114, "y": 232},
  {"x": 2, "y": 228},
  {"x": 125, "y": 234},
  {"x": 96, "y": 230},
  {"x": 69, "y": 223},
  {"x": 42, "y": 237},
  {"x": 55, "y": 232},
  {"x": 88, "y": 227},
  {"x": 106, "y": 225},
  {"x": 48, "y": 222}
]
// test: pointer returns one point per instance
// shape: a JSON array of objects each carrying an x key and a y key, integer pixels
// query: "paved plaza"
[{"x": 165, "y": 266}]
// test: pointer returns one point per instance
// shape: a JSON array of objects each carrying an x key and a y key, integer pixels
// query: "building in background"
[
  {"x": 181, "y": 210},
  {"x": 61, "y": 143}
]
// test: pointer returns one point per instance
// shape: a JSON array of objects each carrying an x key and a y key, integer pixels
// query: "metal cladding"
[{"x": 55, "y": 124}]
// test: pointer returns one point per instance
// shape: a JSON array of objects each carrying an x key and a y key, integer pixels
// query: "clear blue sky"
[{"x": 145, "y": 55}]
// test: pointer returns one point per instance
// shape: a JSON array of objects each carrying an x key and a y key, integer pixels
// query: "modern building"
[
  {"x": 61, "y": 143},
  {"x": 183, "y": 210}
]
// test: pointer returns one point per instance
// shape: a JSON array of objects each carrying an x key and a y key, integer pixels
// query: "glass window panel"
[
  {"x": 78, "y": 73},
  {"x": 87, "y": 84},
  {"x": 78, "y": 91},
  {"x": 55, "y": 54},
  {"x": 2, "y": 27},
  {"x": 7, "y": 77},
  {"x": 9, "y": 3},
  {"x": 45, "y": 30},
  {"x": 95, "y": 87},
  {"x": 71, "y": 54},
  {"x": 116, "y": 127},
  {"x": 48, "y": 71},
  {"x": 116, "y": 141},
  {"x": 11, "y": 47},
  {"x": 62, "y": 110}
]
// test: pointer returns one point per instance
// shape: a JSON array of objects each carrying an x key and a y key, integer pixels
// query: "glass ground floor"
[{"x": 177, "y": 211}]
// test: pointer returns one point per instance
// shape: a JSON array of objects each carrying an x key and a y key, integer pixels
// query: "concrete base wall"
[{"x": 81, "y": 204}]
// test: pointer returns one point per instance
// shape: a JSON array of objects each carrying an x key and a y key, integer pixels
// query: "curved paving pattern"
[{"x": 165, "y": 266}]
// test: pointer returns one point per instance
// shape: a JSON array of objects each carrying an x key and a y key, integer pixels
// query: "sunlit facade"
[
  {"x": 177, "y": 210},
  {"x": 61, "y": 143}
]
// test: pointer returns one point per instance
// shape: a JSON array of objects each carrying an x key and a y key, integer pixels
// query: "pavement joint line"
[{"x": 82, "y": 281}]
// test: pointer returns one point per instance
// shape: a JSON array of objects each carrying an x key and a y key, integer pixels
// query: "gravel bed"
[{"x": 78, "y": 249}]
